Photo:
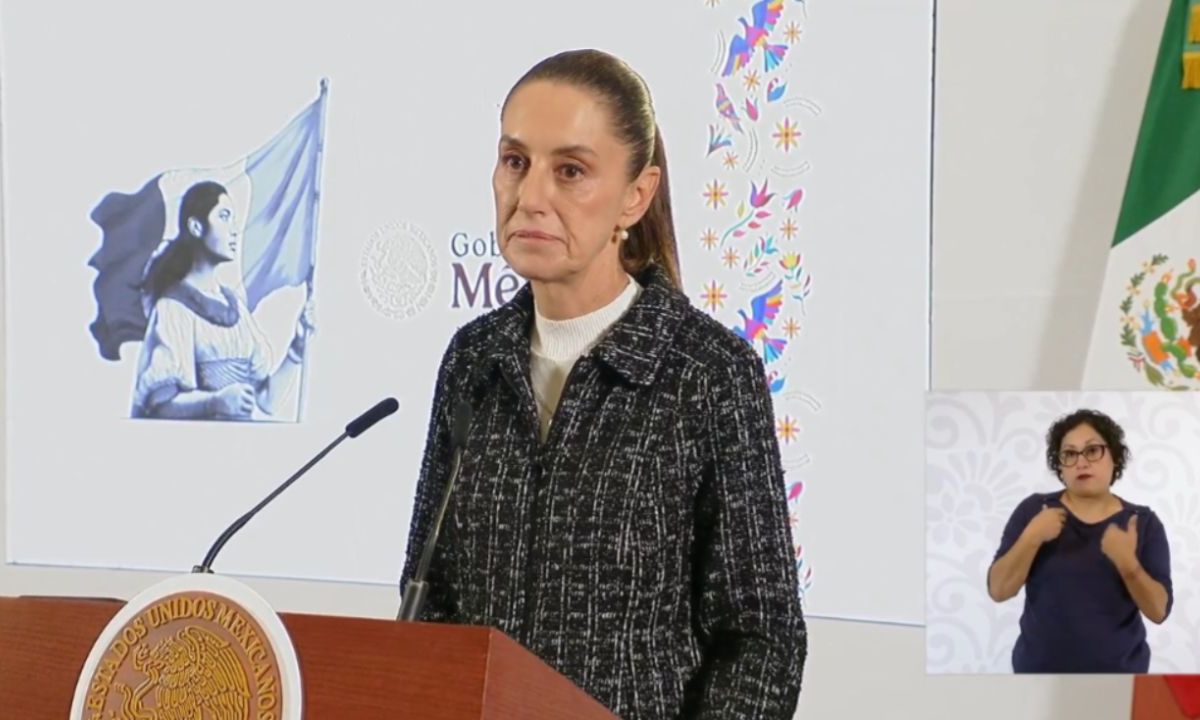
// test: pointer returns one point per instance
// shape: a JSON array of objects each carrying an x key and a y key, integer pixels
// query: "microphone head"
[
  {"x": 362, "y": 423},
  {"x": 462, "y": 423}
]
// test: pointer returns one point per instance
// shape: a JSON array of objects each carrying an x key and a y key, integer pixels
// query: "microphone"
[
  {"x": 357, "y": 426},
  {"x": 362, "y": 423},
  {"x": 417, "y": 588}
]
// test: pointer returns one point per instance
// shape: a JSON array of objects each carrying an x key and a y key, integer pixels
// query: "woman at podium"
[{"x": 620, "y": 506}]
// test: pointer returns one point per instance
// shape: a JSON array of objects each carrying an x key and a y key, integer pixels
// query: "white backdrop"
[
  {"x": 117, "y": 94},
  {"x": 986, "y": 453}
]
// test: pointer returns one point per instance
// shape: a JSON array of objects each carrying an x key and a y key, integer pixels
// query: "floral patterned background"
[
  {"x": 757, "y": 150},
  {"x": 802, "y": 224},
  {"x": 984, "y": 454}
]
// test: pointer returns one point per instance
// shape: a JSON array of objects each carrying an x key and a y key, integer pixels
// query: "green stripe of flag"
[{"x": 1166, "y": 160}]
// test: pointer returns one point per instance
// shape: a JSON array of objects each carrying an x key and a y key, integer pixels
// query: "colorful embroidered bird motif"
[
  {"x": 741, "y": 49},
  {"x": 765, "y": 309},
  {"x": 775, "y": 381},
  {"x": 725, "y": 107}
]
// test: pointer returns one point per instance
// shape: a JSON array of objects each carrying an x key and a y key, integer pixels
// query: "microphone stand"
[
  {"x": 206, "y": 565},
  {"x": 417, "y": 588}
]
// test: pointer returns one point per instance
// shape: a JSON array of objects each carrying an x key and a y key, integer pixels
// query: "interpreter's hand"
[
  {"x": 1047, "y": 524},
  {"x": 234, "y": 401},
  {"x": 1120, "y": 546}
]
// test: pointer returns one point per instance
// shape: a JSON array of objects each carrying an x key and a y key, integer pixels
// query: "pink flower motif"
[
  {"x": 759, "y": 198},
  {"x": 795, "y": 490},
  {"x": 795, "y": 198}
]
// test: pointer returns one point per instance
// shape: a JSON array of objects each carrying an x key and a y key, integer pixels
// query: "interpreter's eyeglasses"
[{"x": 1091, "y": 452}]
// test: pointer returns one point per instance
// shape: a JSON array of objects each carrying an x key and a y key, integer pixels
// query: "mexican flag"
[{"x": 1147, "y": 330}]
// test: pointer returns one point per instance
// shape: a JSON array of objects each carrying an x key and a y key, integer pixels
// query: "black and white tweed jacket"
[{"x": 643, "y": 551}]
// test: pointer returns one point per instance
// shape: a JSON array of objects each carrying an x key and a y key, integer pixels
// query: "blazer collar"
[{"x": 634, "y": 347}]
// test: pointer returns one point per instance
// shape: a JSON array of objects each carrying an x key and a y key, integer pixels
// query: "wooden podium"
[{"x": 350, "y": 668}]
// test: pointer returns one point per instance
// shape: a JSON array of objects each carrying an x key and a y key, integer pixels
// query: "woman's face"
[
  {"x": 561, "y": 184},
  {"x": 1085, "y": 478},
  {"x": 222, "y": 237}
]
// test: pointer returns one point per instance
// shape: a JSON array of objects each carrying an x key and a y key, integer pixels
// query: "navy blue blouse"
[{"x": 1078, "y": 616}]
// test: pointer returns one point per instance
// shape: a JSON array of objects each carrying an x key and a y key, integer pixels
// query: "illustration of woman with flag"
[
  {"x": 165, "y": 281},
  {"x": 204, "y": 356}
]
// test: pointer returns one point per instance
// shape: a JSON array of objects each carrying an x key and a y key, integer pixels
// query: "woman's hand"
[
  {"x": 1120, "y": 546},
  {"x": 1046, "y": 525},
  {"x": 233, "y": 401},
  {"x": 304, "y": 327}
]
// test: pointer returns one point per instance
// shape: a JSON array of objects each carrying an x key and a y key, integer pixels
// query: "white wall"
[{"x": 1037, "y": 105}]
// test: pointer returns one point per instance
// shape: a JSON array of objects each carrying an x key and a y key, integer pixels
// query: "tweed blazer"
[{"x": 642, "y": 550}]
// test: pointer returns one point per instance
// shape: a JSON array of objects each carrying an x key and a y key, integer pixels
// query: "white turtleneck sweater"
[{"x": 557, "y": 344}]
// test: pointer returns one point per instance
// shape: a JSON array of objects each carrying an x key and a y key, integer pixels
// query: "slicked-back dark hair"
[{"x": 176, "y": 261}]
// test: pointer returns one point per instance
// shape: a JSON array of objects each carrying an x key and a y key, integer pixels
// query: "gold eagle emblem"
[{"x": 190, "y": 675}]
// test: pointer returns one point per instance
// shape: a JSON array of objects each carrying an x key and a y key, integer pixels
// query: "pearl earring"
[{"x": 623, "y": 234}]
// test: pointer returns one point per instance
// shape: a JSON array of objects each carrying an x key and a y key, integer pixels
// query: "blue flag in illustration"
[
  {"x": 277, "y": 188},
  {"x": 133, "y": 227},
  {"x": 280, "y": 237}
]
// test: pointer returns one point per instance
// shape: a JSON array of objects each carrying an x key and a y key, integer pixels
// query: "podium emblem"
[{"x": 195, "y": 646}]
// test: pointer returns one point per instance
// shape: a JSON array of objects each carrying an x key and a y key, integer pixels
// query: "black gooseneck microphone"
[
  {"x": 357, "y": 426},
  {"x": 417, "y": 588}
]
